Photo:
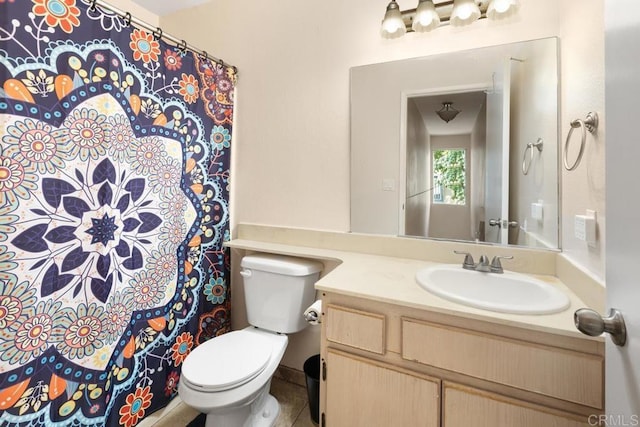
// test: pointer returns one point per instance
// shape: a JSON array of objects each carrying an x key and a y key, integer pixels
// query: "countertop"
[{"x": 392, "y": 280}]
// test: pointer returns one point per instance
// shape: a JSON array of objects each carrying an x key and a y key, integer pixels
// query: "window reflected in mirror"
[{"x": 449, "y": 172}]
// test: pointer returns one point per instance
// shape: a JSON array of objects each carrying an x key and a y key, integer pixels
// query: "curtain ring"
[
  {"x": 235, "y": 69},
  {"x": 590, "y": 123},
  {"x": 182, "y": 47},
  {"x": 538, "y": 144},
  {"x": 157, "y": 33},
  {"x": 127, "y": 19},
  {"x": 204, "y": 55}
]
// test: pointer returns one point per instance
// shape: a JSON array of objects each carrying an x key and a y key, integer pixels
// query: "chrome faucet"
[{"x": 483, "y": 264}]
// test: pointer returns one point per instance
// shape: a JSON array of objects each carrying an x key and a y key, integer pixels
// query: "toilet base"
[{"x": 263, "y": 412}]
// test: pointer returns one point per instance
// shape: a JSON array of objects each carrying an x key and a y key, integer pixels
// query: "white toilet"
[{"x": 228, "y": 377}]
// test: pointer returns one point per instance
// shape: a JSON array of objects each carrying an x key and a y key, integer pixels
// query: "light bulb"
[
  {"x": 426, "y": 17},
  {"x": 499, "y": 9},
  {"x": 501, "y": 6},
  {"x": 464, "y": 12},
  {"x": 392, "y": 24}
]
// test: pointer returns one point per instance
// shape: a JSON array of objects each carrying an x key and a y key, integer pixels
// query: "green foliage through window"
[{"x": 449, "y": 176}]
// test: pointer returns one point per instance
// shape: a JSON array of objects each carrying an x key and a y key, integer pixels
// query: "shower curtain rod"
[{"x": 157, "y": 32}]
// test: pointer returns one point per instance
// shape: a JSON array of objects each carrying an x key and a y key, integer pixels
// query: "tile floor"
[{"x": 294, "y": 408}]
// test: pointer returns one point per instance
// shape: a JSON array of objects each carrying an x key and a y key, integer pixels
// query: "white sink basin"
[{"x": 505, "y": 293}]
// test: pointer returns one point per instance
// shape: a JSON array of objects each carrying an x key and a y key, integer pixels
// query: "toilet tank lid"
[{"x": 280, "y": 264}]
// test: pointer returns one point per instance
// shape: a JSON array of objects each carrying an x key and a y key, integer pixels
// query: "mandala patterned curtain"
[{"x": 114, "y": 157}]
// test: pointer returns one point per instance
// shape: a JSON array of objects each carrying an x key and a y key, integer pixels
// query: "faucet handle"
[
  {"x": 496, "y": 266},
  {"x": 468, "y": 262}
]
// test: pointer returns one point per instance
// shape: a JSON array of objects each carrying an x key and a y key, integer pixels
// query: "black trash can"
[{"x": 312, "y": 376}]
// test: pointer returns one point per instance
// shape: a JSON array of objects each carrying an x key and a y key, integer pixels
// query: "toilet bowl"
[{"x": 229, "y": 377}]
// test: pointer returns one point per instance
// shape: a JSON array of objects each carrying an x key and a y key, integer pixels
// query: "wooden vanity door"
[
  {"x": 364, "y": 393},
  {"x": 466, "y": 406}
]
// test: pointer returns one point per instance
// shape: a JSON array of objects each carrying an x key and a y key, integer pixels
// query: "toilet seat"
[{"x": 227, "y": 361}]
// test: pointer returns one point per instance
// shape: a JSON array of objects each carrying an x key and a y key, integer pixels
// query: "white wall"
[
  {"x": 136, "y": 11},
  {"x": 582, "y": 90}
]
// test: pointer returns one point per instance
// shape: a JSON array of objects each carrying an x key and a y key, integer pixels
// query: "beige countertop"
[{"x": 392, "y": 280}]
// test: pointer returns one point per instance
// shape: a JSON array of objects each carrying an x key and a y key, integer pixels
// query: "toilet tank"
[{"x": 278, "y": 289}]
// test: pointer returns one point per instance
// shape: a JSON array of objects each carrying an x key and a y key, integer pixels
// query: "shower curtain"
[{"x": 114, "y": 175}]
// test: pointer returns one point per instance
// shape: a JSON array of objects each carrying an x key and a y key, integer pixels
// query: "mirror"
[{"x": 488, "y": 173}]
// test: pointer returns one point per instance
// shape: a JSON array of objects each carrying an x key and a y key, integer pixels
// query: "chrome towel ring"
[
  {"x": 538, "y": 144},
  {"x": 590, "y": 123}
]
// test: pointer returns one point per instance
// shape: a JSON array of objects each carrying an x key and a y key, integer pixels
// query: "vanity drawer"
[
  {"x": 355, "y": 328},
  {"x": 568, "y": 375}
]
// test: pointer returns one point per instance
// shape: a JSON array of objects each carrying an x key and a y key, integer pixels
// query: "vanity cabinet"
[{"x": 388, "y": 365}]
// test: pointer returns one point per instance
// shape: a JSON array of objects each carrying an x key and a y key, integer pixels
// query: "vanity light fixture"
[
  {"x": 447, "y": 112},
  {"x": 430, "y": 14}
]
